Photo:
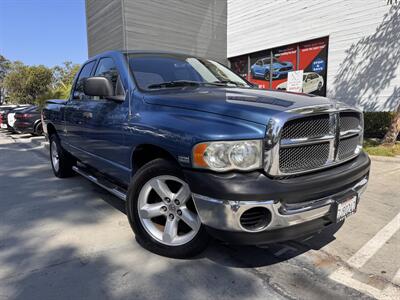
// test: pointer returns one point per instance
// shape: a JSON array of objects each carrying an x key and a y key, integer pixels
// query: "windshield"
[{"x": 154, "y": 71}]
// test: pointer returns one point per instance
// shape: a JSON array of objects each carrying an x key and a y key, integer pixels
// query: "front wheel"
[{"x": 162, "y": 213}]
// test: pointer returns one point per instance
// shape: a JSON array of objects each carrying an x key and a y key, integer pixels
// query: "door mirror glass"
[{"x": 98, "y": 86}]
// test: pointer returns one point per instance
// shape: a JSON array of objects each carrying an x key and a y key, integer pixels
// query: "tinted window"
[
  {"x": 152, "y": 70},
  {"x": 85, "y": 73},
  {"x": 108, "y": 69}
]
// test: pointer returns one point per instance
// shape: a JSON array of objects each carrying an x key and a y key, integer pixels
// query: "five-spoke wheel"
[{"x": 162, "y": 212}]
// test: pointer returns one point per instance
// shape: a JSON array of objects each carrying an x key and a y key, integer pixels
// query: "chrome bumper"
[{"x": 225, "y": 214}]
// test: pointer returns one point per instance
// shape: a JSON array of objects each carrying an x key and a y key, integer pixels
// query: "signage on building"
[
  {"x": 270, "y": 69},
  {"x": 295, "y": 81}
]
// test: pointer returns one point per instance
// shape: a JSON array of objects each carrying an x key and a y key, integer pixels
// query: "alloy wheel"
[
  {"x": 167, "y": 212},
  {"x": 54, "y": 156}
]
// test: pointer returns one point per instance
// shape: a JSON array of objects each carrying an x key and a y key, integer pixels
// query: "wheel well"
[
  {"x": 51, "y": 130},
  {"x": 146, "y": 153}
]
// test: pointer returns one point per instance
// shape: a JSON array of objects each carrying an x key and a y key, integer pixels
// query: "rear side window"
[
  {"x": 107, "y": 68},
  {"x": 85, "y": 73}
]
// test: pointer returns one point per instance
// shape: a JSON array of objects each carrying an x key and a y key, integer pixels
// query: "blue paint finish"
[
  {"x": 262, "y": 67},
  {"x": 105, "y": 133}
]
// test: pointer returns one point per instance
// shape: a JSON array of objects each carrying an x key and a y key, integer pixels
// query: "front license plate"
[
  {"x": 3, "y": 125},
  {"x": 346, "y": 208}
]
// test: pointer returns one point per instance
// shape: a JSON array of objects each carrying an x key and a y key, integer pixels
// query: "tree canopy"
[{"x": 23, "y": 84}]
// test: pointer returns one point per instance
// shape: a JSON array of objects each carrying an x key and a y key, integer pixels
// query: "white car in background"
[{"x": 311, "y": 82}]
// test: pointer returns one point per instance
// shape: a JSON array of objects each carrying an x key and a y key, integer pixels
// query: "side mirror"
[
  {"x": 98, "y": 86},
  {"x": 101, "y": 87}
]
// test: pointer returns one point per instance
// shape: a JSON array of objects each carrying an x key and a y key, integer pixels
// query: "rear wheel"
[
  {"x": 162, "y": 213},
  {"x": 266, "y": 75},
  {"x": 61, "y": 161},
  {"x": 38, "y": 129}
]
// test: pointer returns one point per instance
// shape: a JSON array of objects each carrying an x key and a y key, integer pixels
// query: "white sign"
[{"x": 295, "y": 81}]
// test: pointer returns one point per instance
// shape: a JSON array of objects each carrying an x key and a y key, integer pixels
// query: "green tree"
[
  {"x": 26, "y": 84},
  {"x": 5, "y": 66},
  {"x": 64, "y": 75}
]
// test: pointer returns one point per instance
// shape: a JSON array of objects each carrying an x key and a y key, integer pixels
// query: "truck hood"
[{"x": 253, "y": 105}]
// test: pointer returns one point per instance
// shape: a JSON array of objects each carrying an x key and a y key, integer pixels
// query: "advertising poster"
[
  {"x": 269, "y": 69},
  {"x": 240, "y": 66},
  {"x": 285, "y": 61},
  {"x": 313, "y": 61},
  {"x": 260, "y": 68}
]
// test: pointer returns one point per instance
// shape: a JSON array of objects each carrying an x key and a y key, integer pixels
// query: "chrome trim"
[
  {"x": 225, "y": 214},
  {"x": 306, "y": 141},
  {"x": 349, "y": 133},
  {"x": 112, "y": 190},
  {"x": 276, "y": 124}
]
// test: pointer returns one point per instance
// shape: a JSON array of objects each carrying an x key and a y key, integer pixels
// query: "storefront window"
[{"x": 300, "y": 67}]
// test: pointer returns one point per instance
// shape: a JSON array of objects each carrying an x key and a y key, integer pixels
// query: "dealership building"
[{"x": 349, "y": 50}]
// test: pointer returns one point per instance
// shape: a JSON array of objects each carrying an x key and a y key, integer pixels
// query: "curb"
[{"x": 395, "y": 159}]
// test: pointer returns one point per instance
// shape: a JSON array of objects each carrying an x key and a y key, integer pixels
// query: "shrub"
[{"x": 376, "y": 124}]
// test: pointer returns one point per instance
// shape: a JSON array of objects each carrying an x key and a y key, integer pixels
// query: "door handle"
[{"x": 87, "y": 115}]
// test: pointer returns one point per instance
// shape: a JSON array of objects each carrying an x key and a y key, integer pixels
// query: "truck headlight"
[{"x": 229, "y": 155}]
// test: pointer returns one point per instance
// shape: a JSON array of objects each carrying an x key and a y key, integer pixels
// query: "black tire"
[
  {"x": 155, "y": 168},
  {"x": 65, "y": 160},
  {"x": 266, "y": 76},
  {"x": 38, "y": 130},
  {"x": 320, "y": 86}
]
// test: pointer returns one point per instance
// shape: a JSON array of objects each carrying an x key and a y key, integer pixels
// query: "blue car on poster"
[{"x": 261, "y": 68}]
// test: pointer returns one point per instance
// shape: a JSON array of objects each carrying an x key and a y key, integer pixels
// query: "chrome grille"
[
  {"x": 294, "y": 159},
  {"x": 310, "y": 127},
  {"x": 314, "y": 141},
  {"x": 349, "y": 121},
  {"x": 347, "y": 147}
]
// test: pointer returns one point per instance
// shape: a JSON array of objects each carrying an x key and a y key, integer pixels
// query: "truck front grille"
[
  {"x": 294, "y": 159},
  {"x": 316, "y": 141},
  {"x": 306, "y": 128}
]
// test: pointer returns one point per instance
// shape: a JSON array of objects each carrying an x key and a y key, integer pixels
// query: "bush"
[{"x": 376, "y": 124}]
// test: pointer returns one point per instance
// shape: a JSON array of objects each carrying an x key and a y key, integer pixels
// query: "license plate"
[
  {"x": 3, "y": 125},
  {"x": 346, "y": 208}
]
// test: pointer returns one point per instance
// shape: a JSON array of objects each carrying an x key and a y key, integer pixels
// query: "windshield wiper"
[
  {"x": 174, "y": 83},
  {"x": 228, "y": 82}
]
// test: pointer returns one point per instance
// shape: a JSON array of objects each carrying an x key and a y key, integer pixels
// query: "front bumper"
[{"x": 299, "y": 205}]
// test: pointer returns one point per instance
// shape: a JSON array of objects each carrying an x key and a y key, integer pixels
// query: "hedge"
[{"x": 376, "y": 124}]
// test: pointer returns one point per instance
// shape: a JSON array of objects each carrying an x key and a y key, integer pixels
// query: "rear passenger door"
[{"x": 104, "y": 122}]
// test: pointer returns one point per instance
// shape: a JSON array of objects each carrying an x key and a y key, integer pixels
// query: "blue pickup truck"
[{"x": 197, "y": 151}]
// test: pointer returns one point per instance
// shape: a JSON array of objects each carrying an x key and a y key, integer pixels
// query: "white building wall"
[{"x": 364, "y": 42}]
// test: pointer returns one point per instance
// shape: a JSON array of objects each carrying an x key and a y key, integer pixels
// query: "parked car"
[
  {"x": 4, "y": 109},
  {"x": 10, "y": 116},
  {"x": 195, "y": 150},
  {"x": 28, "y": 121},
  {"x": 261, "y": 68},
  {"x": 311, "y": 82}
]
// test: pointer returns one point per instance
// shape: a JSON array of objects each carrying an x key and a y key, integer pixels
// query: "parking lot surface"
[{"x": 69, "y": 239}]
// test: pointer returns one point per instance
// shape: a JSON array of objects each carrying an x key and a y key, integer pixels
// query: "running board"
[{"x": 112, "y": 188}]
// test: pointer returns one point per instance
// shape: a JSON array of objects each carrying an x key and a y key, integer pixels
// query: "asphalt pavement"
[{"x": 69, "y": 239}]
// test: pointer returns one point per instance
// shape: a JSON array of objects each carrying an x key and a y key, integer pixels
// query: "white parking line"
[
  {"x": 344, "y": 276},
  {"x": 374, "y": 244}
]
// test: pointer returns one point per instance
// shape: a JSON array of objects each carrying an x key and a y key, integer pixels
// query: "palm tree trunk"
[{"x": 394, "y": 129}]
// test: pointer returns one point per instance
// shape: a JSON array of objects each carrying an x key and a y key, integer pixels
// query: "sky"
[{"x": 47, "y": 32}]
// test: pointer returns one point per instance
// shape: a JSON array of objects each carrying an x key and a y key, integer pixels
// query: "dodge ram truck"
[{"x": 196, "y": 151}]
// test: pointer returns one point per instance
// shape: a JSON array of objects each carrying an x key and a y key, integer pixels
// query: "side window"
[
  {"x": 85, "y": 73},
  {"x": 107, "y": 68}
]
